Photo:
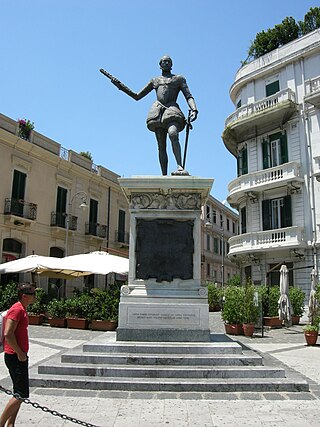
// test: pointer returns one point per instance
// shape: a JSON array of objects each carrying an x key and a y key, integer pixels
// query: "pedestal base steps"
[{"x": 217, "y": 366}]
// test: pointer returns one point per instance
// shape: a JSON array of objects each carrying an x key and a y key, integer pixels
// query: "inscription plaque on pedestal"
[{"x": 164, "y": 249}]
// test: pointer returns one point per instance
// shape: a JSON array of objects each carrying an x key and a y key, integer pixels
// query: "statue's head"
[{"x": 166, "y": 63}]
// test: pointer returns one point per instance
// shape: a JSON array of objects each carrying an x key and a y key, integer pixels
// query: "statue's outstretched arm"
[{"x": 143, "y": 92}]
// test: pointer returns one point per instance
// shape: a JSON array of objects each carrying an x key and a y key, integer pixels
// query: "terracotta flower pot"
[
  {"x": 75, "y": 323},
  {"x": 233, "y": 329},
  {"x": 248, "y": 329},
  {"x": 272, "y": 322},
  {"x": 295, "y": 320},
  {"x": 311, "y": 337},
  {"x": 36, "y": 319},
  {"x": 103, "y": 325},
  {"x": 57, "y": 323}
]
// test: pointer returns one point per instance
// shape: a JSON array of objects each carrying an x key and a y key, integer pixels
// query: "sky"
[{"x": 51, "y": 53}]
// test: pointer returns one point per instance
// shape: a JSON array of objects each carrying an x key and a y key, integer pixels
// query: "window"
[
  {"x": 272, "y": 88},
  {"x": 121, "y": 226},
  {"x": 276, "y": 213},
  {"x": 18, "y": 192},
  {"x": 214, "y": 216},
  {"x": 243, "y": 220},
  {"x": 93, "y": 217},
  {"x": 233, "y": 227},
  {"x": 61, "y": 207},
  {"x": 208, "y": 242},
  {"x": 242, "y": 161},
  {"x": 228, "y": 224},
  {"x": 274, "y": 150},
  {"x": 208, "y": 270},
  {"x": 238, "y": 105},
  {"x": 215, "y": 245}
]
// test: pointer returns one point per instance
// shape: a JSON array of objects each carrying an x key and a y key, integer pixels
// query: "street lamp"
[{"x": 83, "y": 196}]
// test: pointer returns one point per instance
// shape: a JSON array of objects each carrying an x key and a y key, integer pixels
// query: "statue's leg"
[
  {"x": 174, "y": 138},
  {"x": 161, "y": 135}
]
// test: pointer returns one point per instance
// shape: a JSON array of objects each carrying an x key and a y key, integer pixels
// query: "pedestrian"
[{"x": 16, "y": 346}]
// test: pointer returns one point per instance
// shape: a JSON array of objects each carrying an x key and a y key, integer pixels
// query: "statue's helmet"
[{"x": 166, "y": 59}]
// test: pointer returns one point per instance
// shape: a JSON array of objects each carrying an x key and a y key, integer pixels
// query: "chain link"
[{"x": 46, "y": 409}]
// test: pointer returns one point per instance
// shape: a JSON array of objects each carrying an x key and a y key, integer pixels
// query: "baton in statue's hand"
[{"x": 115, "y": 81}]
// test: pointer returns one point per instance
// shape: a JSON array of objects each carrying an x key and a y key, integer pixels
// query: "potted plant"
[
  {"x": 56, "y": 310},
  {"x": 296, "y": 297},
  {"x": 36, "y": 311},
  {"x": 311, "y": 333},
  {"x": 232, "y": 309},
  {"x": 105, "y": 314},
  {"x": 270, "y": 296},
  {"x": 214, "y": 297},
  {"x": 250, "y": 310},
  {"x": 25, "y": 128},
  {"x": 79, "y": 311}
]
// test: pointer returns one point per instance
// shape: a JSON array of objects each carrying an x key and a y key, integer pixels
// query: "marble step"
[
  {"x": 160, "y": 371},
  {"x": 165, "y": 384},
  {"x": 245, "y": 359},
  {"x": 100, "y": 346}
]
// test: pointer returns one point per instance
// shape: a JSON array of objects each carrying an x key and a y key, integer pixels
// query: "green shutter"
[
  {"x": 61, "y": 200},
  {"x": 93, "y": 214},
  {"x": 286, "y": 213},
  {"x": 18, "y": 185},
  {"x": 244, "y": 161},
  {"x": 284, "y": 148},
  {"x": 266, "y": 214},
  {"x": 272, "y": 88},
  {"x": 265, "y": 153}
]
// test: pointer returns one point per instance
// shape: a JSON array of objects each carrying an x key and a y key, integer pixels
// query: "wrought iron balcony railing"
[
  {"x": 20, "y": 208},
  {"x": 59, "y": 219},
  {"x": 95, "y": 229}
]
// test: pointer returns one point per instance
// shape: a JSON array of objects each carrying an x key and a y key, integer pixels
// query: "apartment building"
[
  {"x": 274, "y": 134},
  {"x": 55, "y": 202},
  {"x": 218, "y": 225}
]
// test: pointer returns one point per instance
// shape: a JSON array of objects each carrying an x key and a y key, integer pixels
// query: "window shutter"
[
  {"x": 243, "y": 221},
  {"x": 238, "y": 166},
  {"x": 266, "y": 214},
  {"x": 284, "y": 148},
  {"x": 265, "y": 153},
  {"x": 61, "y": 200},
  {"x": 244, "y": 160},
  {"x": 93, "y": 214},
  {"x": 272, "y": 88},
  {"x": 18, "y": 185},
  {"x": 286, "y": 219}
]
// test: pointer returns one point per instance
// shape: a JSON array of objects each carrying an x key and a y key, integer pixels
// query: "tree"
[{"x": 311, "y": 21}]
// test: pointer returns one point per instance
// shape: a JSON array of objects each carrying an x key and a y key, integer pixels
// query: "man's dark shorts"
[{"x": 19, "y": 374}]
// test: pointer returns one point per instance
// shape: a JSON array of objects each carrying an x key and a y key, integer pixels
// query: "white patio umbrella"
[
  {"x": 92, "y": 263},
  {"x": 285, "y": 309},
  {"x": 31, "y": 263},
  {"x": 312, "y": 298}
]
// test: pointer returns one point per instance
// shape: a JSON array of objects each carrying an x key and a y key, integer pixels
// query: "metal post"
[{"x": 222, "y": 255}]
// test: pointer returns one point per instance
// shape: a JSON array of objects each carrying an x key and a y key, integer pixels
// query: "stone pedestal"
[{"x": 164, "y": 299}]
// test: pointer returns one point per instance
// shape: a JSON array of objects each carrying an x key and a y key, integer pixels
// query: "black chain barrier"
[{"x": 46, "y": 409}]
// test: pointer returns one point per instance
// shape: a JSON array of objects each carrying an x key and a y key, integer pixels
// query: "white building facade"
[{"x": 275, "y": 135}]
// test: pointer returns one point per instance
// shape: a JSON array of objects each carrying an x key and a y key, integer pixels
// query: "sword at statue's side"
[{"x": 188, "y": 127}]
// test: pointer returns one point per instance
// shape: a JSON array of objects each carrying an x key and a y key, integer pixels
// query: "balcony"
[
  {"x": 20, "y": 208},
  {"x": 260, "y": 117},
  {"x": 94, "y": 229},
  {"x": 59, "y": 219},
  {"x": 264, "y": 241},
  {"x": 285, "y": 174},
  {"x": 312, "y": 91},
  {"x": 122, "y": 237}
]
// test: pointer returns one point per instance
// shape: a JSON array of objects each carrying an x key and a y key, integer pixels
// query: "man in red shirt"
[{"x": 16, "y": 346}]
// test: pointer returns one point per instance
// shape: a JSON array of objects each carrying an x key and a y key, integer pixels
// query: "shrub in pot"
[
  {"x": 270, "y": 296},
  {"x": 214, "y": 297},
  {"x": 297, "y": 297},
  {"x": 232, "y": 309},
  {"x": 56, "y": 310},
  {"x": 37, "y": 310}
]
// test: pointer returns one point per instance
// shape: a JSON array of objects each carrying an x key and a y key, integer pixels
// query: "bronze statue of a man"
[{"x": 165, "y": 116}]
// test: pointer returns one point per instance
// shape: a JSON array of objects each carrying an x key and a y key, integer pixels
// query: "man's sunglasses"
[{"x": 29, "y": 293}]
